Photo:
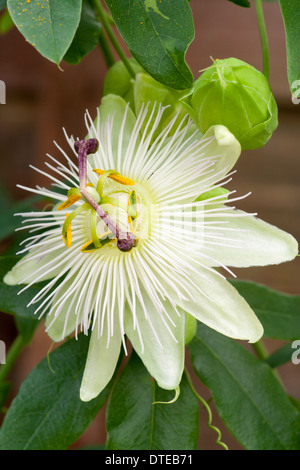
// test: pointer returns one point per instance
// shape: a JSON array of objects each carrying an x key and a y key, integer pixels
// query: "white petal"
[
  {"x": 186, "y": 172},
  {"x": 249, "y": 241},
  {"x": 165, "y": 361},
  {"x": 25, "y": 270},
  {"x": 221, "y": 307},
  {"x": 101, "y": 362},
  {"x": 65, "y": 322}
]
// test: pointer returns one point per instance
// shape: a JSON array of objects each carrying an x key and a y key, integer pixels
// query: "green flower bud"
[
  {"x": 235, "y": 94},
  {"x": 148, "y": 90},
  {"x": 142, "y": 90},
  {"x": 118, "y": 81}
]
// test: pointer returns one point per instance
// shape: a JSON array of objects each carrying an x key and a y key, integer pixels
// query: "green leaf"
[
  {"x": 157, "y": 35},
  {"x": 3, "y": 4},
  {"x": 47, "y": 413},
  {"x": 9, "y": 222},
  {"x": 134, "y": 422},
  {"x": 248, "y": 397},
  {"x": 291, "y": 16},
  {"x": 14, "y": 304},
  {"x": 48, "y": 26},
  {"x": 279, "y": 313},
  {"x": 241, "y": 3},
  {"x": 86, "y": 37}
]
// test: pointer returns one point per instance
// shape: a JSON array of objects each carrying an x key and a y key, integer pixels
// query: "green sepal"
[
  {"x": 118, "y": 81},
  {"x": 149, "y": 91}
]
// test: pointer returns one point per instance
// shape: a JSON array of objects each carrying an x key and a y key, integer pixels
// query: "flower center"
[{"x": 112, "y": 205}]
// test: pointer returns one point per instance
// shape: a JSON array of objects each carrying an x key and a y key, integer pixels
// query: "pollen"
[
  {"x": 117, "y": 177},
  {"x": 69, "y": 202},
  {"x": 83, "y": 248}
]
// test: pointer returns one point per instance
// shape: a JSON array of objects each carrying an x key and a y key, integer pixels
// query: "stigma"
[{"x": 94, "y": 201}]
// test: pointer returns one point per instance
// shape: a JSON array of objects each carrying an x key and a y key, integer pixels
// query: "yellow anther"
[
  {"x": 90, "y": 243},
  {"x": 117, "y": 177},
  {"x": 83, "y": 248},
  {"x": 69, "y": 202},
  {"x": 68, "y": 238}
]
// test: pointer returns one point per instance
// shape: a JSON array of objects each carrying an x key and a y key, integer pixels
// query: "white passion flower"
[{"x": 134, "y": 242}]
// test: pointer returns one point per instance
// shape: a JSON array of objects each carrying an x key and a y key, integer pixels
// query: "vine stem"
[
  {"x": 262, "y": 354},
  {"x": 263, "y": 37},
  {"x": 260, "y": 350},
  {"x": 105, "y": 23},
  {"x": 206, "y": 406},
  {"x": 107, "y": 53},
  {"x": 11, "y": 357}
]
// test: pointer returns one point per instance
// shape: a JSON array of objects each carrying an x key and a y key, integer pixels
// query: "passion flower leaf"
[
  {"x": 291, "y": 16},
  {"x": 135, "y": 422},
  {"x": 279, "y": 313},
  {"x": 248, "y": 397},
  {"x": 49, "y": 26},
  {"x": 157, "y": 35},
  {"x": 47, "y": 413}
]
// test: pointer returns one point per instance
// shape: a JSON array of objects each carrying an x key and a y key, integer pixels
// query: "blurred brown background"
[{"x": 41, "y": 100}]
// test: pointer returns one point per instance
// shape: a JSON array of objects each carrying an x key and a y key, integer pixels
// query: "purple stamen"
[{"x": 126, "y": 240}]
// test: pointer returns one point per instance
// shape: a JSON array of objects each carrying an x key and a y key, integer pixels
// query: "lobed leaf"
[
  {"x": 47, "y": 413},
  {"x": 279, "y": 313},
  {"x": 248, "y": 397},
  {"x": 134, "y": 422}
]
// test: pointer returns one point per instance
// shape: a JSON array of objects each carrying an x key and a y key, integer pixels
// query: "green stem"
[
  {"x": 107, "y": 52},
  {"x": 105, "y": 23},
  {"x": 11, "y": 357},
  {"x": 205, "y": 404},
  {"x": 260, "y": 350},
  {"x": 263, "y": 37},
  {"x": 262, "y": 353}
]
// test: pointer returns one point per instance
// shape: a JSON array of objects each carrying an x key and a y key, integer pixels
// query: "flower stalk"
[
  {"x": 263, "y": 37},
  {"x": 105, "y": 23}
]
